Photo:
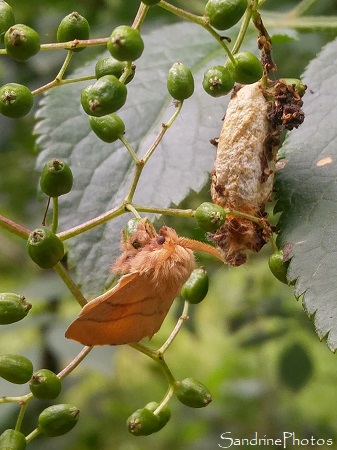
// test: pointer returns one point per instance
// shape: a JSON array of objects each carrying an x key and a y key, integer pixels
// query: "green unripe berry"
[
  {"x": 45, "y": 248},
  {"x": 110, "y": 66},
  {"x": 180, "y": 82},
  {"x": 13, "y": 308},
  {"x": 12, "y": 440},
  {"x": 192, "y": 393},
  {"x": 58, "y": 419},
  {"x": 163, "y": 416},
  {"x": 296, "y": 83},
  {"x": 7, "y": 18},
  {"x": 217, "y": 81},
  {"x": 223, "y": 14},
  {"x": 125, "y": 43},
  {"x": 142, "y": 422},
  {"x": 247, "y": 69},
  {"x": 209, "y": 216},
  {"x": 15, "y": 368},
  {"x": 22, "y": 42},
  {"x": 73, "y": 27},
  {"x": 150, "y": 2},
  {"x": 109, "y": 128},
  {"x": 278, "y": 266},
  {"x": 196, "y": 287},
  {"x": 45, "y": 385},
  {"x": 16, "y": 100},
  {"x": 106, "y": 96},
  {"x": 56, "y": 178}
]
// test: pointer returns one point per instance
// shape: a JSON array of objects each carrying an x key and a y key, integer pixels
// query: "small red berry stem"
[
  {"x": 90, "y": 224},
  {"x": 176, "y": 329},
  {"x": 74, "y": 44},
  {"x": 140, "y": 163},
  {"x": 74, "y": 363},
  {"x": 158, "y": 358},
  {"x": 140, "y": 16},
  {"x": 14, "y": 227}
]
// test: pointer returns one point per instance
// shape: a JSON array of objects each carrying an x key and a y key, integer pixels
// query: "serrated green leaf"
[
  {"x": 307, "y": 197},
  {"x": 103, "y": 172}
]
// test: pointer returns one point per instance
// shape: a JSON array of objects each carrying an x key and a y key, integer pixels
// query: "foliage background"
[{"x": 235, "y": 341}]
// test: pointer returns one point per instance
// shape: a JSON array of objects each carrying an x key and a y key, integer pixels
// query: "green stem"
[
  {"x": 140, "y": 16},
  {"x": 90, "y": 224},
  {"x": 160, "y": 136},
  {"x": 78, "y": 80},
  {"x": 128, "y": 69},
  {"x": 14, "y": 227},
  {"x": 176, "y": 329},
  {"x": 58, "y": 82},
  {"x": 65, "y": 64},
  {"x": 158, "y": 358},
  {"x": 7, "y": 399},
  {"x": 199, "y": 20},
  {"x": 221, "y": 41},
  {"x": 74, "y": 363},
  {"x": 273, "y": 243},
  {"x": 165, "y": 400},
  {"x": 144, "y": 349},
  {"x": 20, "y": 399},
  {"x": 21, "y": 414},
  {"x": 74, "y": 44},
  {"x": 129, "y": 149},
  {"x": 165, "y": 211},
  {"x": 132, "y": 209},
  {"x": 71, "y": 285},
  {"x": 55, "y": 219},
  {"x": 33, "y": 434},
  {"x": 141, "y": 163},
  {"x": 158, "y": 355},
  {"x": 242, "y": 32},
  {"x": 165, "y": 368},
  {"x": 138, "y": 171}
]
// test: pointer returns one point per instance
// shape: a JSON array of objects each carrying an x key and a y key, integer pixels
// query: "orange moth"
[{"x": 154, "y": 266}]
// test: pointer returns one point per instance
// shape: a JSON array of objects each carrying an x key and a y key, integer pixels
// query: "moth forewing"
[
  {"x": 137, "y": 306},
  {"x": 126, "y": 314}
]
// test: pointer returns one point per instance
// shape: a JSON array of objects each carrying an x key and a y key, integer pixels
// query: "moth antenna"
[{"x": 200, "y": 246}]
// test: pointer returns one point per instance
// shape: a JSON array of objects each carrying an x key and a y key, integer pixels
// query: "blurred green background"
[{"x": 250, "y": 341}]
